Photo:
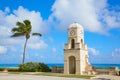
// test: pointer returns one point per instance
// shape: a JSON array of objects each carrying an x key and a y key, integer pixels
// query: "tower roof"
[{"x": 75, "y": 25}]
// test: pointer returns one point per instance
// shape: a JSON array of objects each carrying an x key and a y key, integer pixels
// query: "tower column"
[
  {"x": 66, "y": 70},
  {"x": 77, "y": 66}
]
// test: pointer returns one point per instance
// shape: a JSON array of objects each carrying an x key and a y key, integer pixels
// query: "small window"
[
  {"x": 72, "y": 43},
  {"x": 81, "y": 40}
]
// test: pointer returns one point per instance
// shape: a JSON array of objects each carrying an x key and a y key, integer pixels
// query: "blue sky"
[{"x": 100, "y": 19}]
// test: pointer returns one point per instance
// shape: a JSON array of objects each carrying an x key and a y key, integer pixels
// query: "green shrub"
[
  {"x": 34, "y": 67},
  {"x": 1, "y": 69},
  {"x": 44, "y": 68},
  {"x": 13, "y": 69}
]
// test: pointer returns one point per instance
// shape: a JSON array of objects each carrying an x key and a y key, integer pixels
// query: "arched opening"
[
  {"x": 81, "y": 40},
  {"x": 72, "y": 65},
  {"x": 72, "y": 43}
]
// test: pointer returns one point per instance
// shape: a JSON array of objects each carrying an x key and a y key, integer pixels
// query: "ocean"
[{"x": 61, "y": 65}]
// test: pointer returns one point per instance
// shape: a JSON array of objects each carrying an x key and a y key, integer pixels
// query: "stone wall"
[
  {"x": 107, "y": 71},
  {"x": 57, "y": 69}
]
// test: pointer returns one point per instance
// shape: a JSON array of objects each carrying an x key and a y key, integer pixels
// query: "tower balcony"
[{"x": 76, "y": 46}]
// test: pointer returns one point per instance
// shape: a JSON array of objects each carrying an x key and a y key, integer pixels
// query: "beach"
[{"x": 7, "y": 76}]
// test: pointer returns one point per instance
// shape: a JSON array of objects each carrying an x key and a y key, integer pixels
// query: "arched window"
[
  {"x": 72, "y": 43},
  {"x": 81, "y": 40}
]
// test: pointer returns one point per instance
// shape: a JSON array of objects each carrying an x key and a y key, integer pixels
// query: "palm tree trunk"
[{"x": 24, "y": 51}]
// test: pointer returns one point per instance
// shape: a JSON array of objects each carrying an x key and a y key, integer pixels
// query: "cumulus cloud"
[
  {"x": 93, "y": 15},
  {"x": 39, "y": 45},
  {"x": 8, "y": 21},
  {"x": 3, "y": 50},
  {"x": 93, "y": 51},
  {"x": 35, "y": 18},
  {"x": 36, "y": 43},
  {"x": 96, "y": 57}
]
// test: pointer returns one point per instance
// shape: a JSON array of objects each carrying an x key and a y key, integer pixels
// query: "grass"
[
  {"x": 54, "y": 74},
  {"x": 66, "y": 75}
]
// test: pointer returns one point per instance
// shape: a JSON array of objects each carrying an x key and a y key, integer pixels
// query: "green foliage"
[
  {"x": 36, "y": 34},
  {"x": 12, "y": 69},
  {"x": 24, "y": 28},
  {"x": 1, "y": 69},
  {"x": 44, "y": 67},
  {"x": 9, "y": 69},
  {"x": 34, "y": 67}
]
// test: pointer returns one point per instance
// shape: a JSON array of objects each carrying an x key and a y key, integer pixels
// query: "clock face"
[{"x": 72, "y": 33}]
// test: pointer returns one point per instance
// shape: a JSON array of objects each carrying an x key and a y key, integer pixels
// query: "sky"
[{"x": 99, "y": 18}]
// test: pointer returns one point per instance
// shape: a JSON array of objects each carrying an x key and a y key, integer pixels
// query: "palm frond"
[
  {"x": 28, "y": 25},
  {"x": 20, "y": 24},
  {"x": 20, "y": 30},
  {"x": 14, "y": 29},
  {"x": 36, "y": 34},
  {"x": 26, "y": 22},
  {"x": 17, "y": 34}
]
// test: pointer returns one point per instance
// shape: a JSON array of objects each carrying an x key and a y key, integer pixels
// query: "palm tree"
[{"x": 24, "y": 29}]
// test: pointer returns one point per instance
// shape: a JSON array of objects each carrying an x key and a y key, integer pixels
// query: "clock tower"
[{"x": 76, "y": 52}]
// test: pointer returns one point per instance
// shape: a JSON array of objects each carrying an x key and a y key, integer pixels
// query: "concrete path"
[
  {"x": 107, "y": 77},
  {"x": 6, "y": 76}
]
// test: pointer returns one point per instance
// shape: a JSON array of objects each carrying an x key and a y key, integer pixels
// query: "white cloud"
[
  {"x": 116, "y": 53},
  {"x": 12, "y": 41},
  {"x": 38, "y": 45},
  {"x": 93, "y": 51},
  {"x": 93, "y": 15},
  {"x": 3, "y": 50},
  {"x": 4, "y": 31},
  {"x": 54, "y": 50},
  {"x": 35, "y": 18},
  {"x": 7, "y": 9},
  {"x": 8, "y": 21},
  {"x": 110, "y": 58}
]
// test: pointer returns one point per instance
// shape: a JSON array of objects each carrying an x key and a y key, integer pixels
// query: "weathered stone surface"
[{"x": 76, "y": 52}]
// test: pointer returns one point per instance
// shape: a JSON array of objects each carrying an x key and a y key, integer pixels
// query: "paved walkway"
[
  {"x": 107, "y": 77},
  {"x": 6, "y": 76}
]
